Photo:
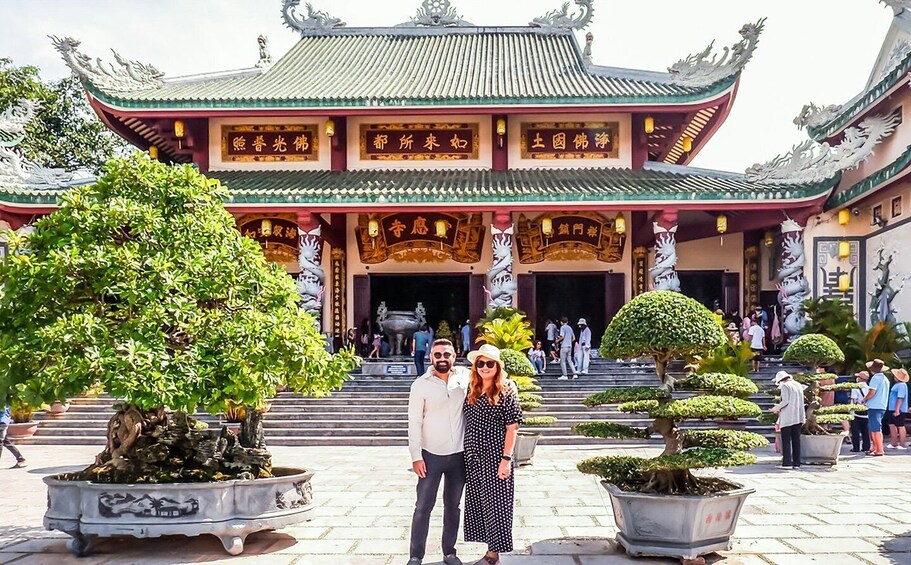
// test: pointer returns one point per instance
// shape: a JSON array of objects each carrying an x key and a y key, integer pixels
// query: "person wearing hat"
[
  {"x": 733, "y": 334},
  {"x": 791, "y": 417},
  {"x": 898, "y": 406},
  {"x": 436, "y": 431},
  {"x": 566, "y": 339},
  {"x": 860, "y": 429},
  {"x": 877, "y": 400},
  {"x": 585, "y": 346},
  {"x": 492, "y": 418}
]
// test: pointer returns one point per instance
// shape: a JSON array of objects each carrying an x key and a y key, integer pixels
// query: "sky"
[{"x": 811, "y": 50}]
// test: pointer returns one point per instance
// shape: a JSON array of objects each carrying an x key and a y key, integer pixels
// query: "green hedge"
[
  {"x": 720, "y": 383},
  {"x": 834, "y": 418},
  {"x": 727, "y": 439},
  {"x": 530, "y": 397},
  {"x": 626, "y": 394},
  {"x": 840, "y": 409},
  {"x": 516, "y": 363},
  {"x": 621, "y": 470},
  {"x": 610, "y": 430},
  {"x": 840, "y": 386},
  {"x": 700, "y": 458},
  {"x": 805, "y": 378},
  {"x": 707, "y": 407},
  {"x": 538, "y": 421},
  {"x": 815, "y": 350},
  {"x": 638, "y": 406}
]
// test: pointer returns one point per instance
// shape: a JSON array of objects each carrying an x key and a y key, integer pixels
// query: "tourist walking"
[
  {"x": 756, "y": 337},
  {"x": 377, "y": 345},
  {"x": 550, "y": 337},
  {"x": 860, "y": 430},
  {"x": 898, "y": 407},
  {"x": 791, "y": 417},
  {"x": 566, "y": 339},
  {"x": 585, "y": 346},
  {"x": 6, "y": 418},
  {"x": 538, "y": 358},
  {"x": 420, "y": 346},
  {"x": 492, "y": 417},
  {"x": 466, "y": 338},
  {"x": 351, "y": 339},
  {"x": 436, "y": 431},
  {"x": 877, "y": 400}
]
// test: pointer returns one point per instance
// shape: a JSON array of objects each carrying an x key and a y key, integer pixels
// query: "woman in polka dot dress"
[{"x": 492, "y": 417}]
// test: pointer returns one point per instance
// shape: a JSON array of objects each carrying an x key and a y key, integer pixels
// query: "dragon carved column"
[
  {"x": 664, "y": 273},
  {"x": 311, "y": 278},
  {"x": 793, "y": 286},
  {"x": 499, "y": 277}
]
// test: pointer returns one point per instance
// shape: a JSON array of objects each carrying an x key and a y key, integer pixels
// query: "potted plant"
[
  {"x": 723, "y": 384},
  {"x": 522, "y": 372},
  {"x": 58, "y": 408},
  {"x": 23, "y": 426},
  {"x": 142, "y": 283},
  {"x": 660, "y": 506}
]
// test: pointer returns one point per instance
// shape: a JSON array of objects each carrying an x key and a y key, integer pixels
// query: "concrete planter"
[
  {"x": 22, "y": 430},
  {"x": 230, "y": 510},
  {"x": 675, "y": 526},
  {"x": 525, "y": 447},
  {"x": 58, "y": 409},
  {"x": 821, "y": 450}
]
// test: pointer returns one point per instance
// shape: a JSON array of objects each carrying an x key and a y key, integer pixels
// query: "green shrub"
[
  {"x": 610, "y": 430},
  {"x": 725, "y": 439},
  {"x": 700, "y": 458},
  {"x": 443, "y": 331},
  {"x": 719, "y": 383},
  {"x": 623, "y": 471},
  {"x": 701, "y": 407},
  {"x": 841, "y": 409},
  {"x": 626, "y": 394},
  {"x": 815, "y": 350},
  {"x": 517, "y": 363},
  {"x": 727, "y": 359},
  {"x": 538, "y": 421},
  {"x": 513, "y": 332},
  {"x": 638, "y": 406}
]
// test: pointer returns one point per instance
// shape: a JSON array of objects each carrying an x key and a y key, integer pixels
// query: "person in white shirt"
[
  {"x": 756, "y": 335},
  {"x": 860, "y": 429},
  {"x": 436, "y": 436},
  {"x": 585, "y": 347},
  {"x": 550, "y": 337},
  {"x": 566, "y": 339},
  {"x": 791, "y": 417}
]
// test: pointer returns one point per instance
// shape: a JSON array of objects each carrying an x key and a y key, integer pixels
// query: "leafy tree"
[
  {"x": 65, "y": 133},
  {"x": 142, "y": 283},
  {"x": 443, "y": 331}
]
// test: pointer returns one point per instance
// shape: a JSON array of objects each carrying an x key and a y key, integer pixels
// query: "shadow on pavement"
[{"x": 897, "y": 550}]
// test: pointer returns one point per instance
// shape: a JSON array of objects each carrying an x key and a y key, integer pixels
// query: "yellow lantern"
[
  {"x": 844, "y": 249},
  {"x": 547, "y": 227},
  {"x": 620, "y": 224},
  {"x": 179, "y": 132},
  {"x": 768, "y": 239},
  {"x": 649, "y": 124},
  {"x": 844, "y": 282},
  {"x": 721, "y": 223},
  {"x": 265, "y": 228},
  {"x": 330, "y": 128},
  {"x": 501, "y": 126},
  {"x": 153, "y": 152},
  {"x": 687, "y": 143},
  {"x": 373, "y": 228},
  {"x": 441, "y": 227},
  {"x": 844, "y": 217}
]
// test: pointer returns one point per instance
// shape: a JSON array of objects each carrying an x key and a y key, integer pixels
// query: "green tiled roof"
[
  {"x": 408, "y": 67},
  {"x": 867, "y": 184}
]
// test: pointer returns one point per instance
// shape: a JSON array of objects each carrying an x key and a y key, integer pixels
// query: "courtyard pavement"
[{"x": 859, "y": 512}]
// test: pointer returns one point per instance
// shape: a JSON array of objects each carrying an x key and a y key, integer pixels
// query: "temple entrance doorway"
[{"x": 713, "y": 289}]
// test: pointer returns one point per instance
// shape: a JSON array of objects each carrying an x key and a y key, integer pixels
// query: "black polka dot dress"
[{"x": 489, "y": 500}]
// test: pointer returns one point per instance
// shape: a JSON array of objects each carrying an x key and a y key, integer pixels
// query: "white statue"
[
  {"x": 794, "y": 288},
  {"x": 705, "y": 69},
  {"x": 502, "y": 283},
  {"x": 311, "y": 277},
  {"x": 664, "y": 274}
]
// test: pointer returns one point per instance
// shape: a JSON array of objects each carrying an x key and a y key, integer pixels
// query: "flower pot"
[
  {"x": 58, "y": 409},
  {"x": 821, "y": 450},
  {"x": 675, "y": 526},
  {"x": 22, "y": 429},
  {"x": 525, "y": 447}
]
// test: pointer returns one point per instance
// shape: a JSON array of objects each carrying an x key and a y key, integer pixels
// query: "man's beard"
[{"x": 442, "y": 366}]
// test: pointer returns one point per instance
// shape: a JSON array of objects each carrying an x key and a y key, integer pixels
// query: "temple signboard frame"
[
  {"x": 420, "y": 142},
  {"x": 270, "y": 143},
  {"x": 570, "y": 140}
]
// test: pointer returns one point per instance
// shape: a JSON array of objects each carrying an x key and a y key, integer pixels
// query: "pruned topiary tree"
[
  {"x": 142, "y": 283},
  {"x": 667, "y": 325}
]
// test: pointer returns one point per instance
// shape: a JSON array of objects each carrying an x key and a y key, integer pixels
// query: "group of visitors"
[
  {"x": 561, "y": 344},
  {"x": 462, "y": 428},
  {"x": 373, "y": 343}
]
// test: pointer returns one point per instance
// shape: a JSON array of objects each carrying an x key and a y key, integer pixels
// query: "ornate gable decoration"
[
  {"x": 15, "y": 170},
  {"x": 131, "y": 75},
  {"x": 810, "y": 162},
  {"x": 898, "y": 6},
  {"x": 705, "y": 69},
  {"x": 562, "y": 19},
  {"x": 812, "y": 116},
  {"x": 436, "y": 13},
  {"x": 314, "y": 22}
]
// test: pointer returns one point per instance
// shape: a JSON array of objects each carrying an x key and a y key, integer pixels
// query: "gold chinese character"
[
  {"x": 406, "y": 142},
  {"x": 277, "y": 231},
  {"x": 602, "y": 140},
  {"x": 581, "y": 141},
  {"x": 578, "y": 229},
  {"x": 539, "y": 142},
  {"x": 397, "y": 228},
  {"x": 259, "y": 143},
  {"x": 250, "y": 233},
  {"x": 458, "y": 143},
  {"x": 380, "y": 141},
  {"x": 280, "y": 145},
  {"x": 431, "y": 142},
  {"x": 291, "y": 233},
  {"x": 239, "y": 143},
  {"x": 563, "y": 229},
  {"x": 301, "y": 143},
  {"x": 592, "y": 231},
  {"x": 420, "y": 226},
  {"x": 560, "y": 141}
]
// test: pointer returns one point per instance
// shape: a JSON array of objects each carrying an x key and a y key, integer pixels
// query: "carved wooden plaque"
[
  {"x": 413, "y": 237},
  {"x": 575, "y": 236},
  {"x": 269, "y": 143},
  {"x": 278, "y": 237},
  {"x": 419, "y": 142},
  {"x": 570, "y": 140}
]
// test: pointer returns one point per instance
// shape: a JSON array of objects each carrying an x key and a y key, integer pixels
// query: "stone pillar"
[
  {"x": 500, "y": 281},
  {"x": 664, "y": 273},
  {"x": 311, "y": 279},
  {"x": 792, "y": 284}
]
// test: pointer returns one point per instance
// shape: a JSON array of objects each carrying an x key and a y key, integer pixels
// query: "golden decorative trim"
[
  {"x": 311, "y": 153},
  {"x": 584, "y": 141},
  {"x": 421, "y": 256},
  {"x": 416, "y": 154},
  {"x": 576, "y": 235},
  {"x": 405, "y": 232},
  {"x": 338, "y": 264}
]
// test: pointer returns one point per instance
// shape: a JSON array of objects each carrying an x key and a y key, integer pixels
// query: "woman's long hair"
[{"x": 476, "y": 386}]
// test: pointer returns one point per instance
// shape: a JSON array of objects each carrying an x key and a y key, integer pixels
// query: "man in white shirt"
[
  {"x": 566, "y": 339},
  {"x": 436, "y": 433},
  {"x": 585, "y": 346},
  {"x": 756, "y": 336},
  {"x": 550, "y": 337}
]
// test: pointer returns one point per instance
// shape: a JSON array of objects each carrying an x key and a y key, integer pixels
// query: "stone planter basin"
[
  {"x": 821, "y": 450},
  {"x": 675, "y": 526},
  {"x": 230, "y": 510},
  {"x": 525, "y": 447},
  {"x": 22, "y": 429}
]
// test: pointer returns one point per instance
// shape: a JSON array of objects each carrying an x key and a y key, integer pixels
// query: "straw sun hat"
[{"x": 490, "y": 352}]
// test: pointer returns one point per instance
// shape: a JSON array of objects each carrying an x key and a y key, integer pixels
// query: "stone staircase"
[{"x": 371, "y": 410}]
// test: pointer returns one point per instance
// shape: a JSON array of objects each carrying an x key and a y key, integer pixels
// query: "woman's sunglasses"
[{"x": 481, "y": 364}]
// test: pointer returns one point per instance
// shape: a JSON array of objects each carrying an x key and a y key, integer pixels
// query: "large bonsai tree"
[
  {"x": 667, "y": 325},
  {"x": 140, "y": 282}
]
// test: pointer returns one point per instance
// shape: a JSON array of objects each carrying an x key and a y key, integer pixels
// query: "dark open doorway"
[
  {"x": 445, "y": 297},
  {"x": 706, "y": 287},
  {"x": 574, "y": 296}
]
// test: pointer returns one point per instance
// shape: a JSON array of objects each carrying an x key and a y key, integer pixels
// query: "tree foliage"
[
  {"x": 720, "y": 383},
  {"x": 517, "y": 363},
  {"x": 512, "y": 332},
  {"x": 814, "y": 349},
  {"x": 626, "y": 394}
]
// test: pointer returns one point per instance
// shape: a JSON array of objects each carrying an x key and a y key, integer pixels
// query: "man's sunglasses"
[
  {"x": 481, "y": 364},
  {"x": 442, "y": 355}
]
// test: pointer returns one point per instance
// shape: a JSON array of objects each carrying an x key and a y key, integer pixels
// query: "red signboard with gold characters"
[
  {"x": 420, "y": 237},
  {"x": 269, "y": 143},
  {"x": 278, "y": 237},
  {"x": 570, "y": 236},
  {"x": 570, "y": 140},
  {"x": 419, "y": 142}
]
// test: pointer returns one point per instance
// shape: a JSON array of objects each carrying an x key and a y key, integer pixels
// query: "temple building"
[{"x": 459, "y": 167}]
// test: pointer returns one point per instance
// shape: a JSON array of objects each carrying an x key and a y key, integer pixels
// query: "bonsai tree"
[
  {"x": 522, "y": 372},
  {"x": 142, "y": 283},
  {"x": 443, "y": 331},
  {"x": 667, "y": 325}
]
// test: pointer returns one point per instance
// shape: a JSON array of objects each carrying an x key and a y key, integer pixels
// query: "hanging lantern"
[
  {"x": 373, "y": 228},
  {"x": 153, "y": 152},
  {"x": 687, "y": 143},
  {"x": 649, "y": 124},
  {"x": 844, "y": 282},
  {"x": 768, "y": 239},
  {"x": 501, "y": 126},
  {"x": 844, "y": 249},
  {"x": 441, "y": 227},
  {"x": 620, "y": 224},
  {"x": 721, "y": 223},
  {"x": 844, "y": 217},
  {"x": 547, "y": 227},
  {"x": 179, "y": 132},
  {"x": 265, "y": 228},
  {"x": 330, "y": 128}
]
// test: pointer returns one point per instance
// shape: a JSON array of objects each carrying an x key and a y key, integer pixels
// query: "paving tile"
[
  {"x": 748, "y": 531},
  {"x": 815, "y": 559},
  {"x": 575, "y": 546},
  {"x": 559, "y": 521},
  {"x": 831, "y": 545},
  {"x": 371, "y": 546},
  {"x": 843, "y": 530},
  {"x": 856, "y": 519},
  {"x": 778, "y": 519},
  {"x": 332, "y": 546},
  {"x": 8, "y": 557},
  {"x": 375, "y": 532},
  {"x": 759, "y": 545}
]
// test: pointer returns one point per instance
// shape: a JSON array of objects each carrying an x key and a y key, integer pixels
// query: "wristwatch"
[{"x": 506, "y": 458}]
